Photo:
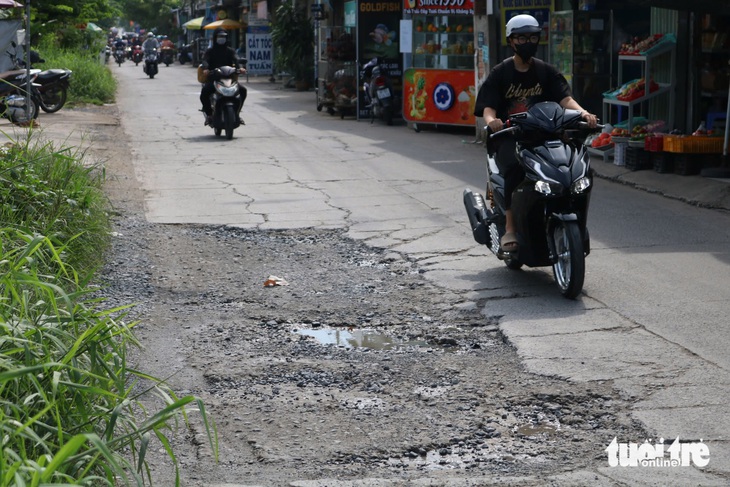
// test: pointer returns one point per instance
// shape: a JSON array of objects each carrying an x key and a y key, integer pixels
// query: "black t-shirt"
[
  {"x": 510, "y": 91},
  {"x": 218, "y": 56}
]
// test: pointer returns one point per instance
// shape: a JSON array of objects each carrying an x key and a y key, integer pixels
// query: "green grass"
[
  {"x": 70, "y": 404},
  {"x": 91, "y": 81}
]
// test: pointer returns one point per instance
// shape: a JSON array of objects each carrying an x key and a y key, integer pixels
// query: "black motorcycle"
[
  {"x": 378, "y": 90},
  {"x": 167, "y": 55},
  {"x": 550, "y": 205},
  {"x": 184, "y": 54},
  {"x": 119, "y": 55},
  {"x": 226, "y": 101},
  {"x": 15, "y": 104},
  {"x": 50, "y": 86},
  {"x": 150, "y": 63}
]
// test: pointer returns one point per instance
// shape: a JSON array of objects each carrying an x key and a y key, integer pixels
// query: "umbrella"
[
  {"x": 9, "y": 4},
  {"x": 194, "y": 24},
  {"x": 93, "y": 27},
  {"x": 227, "y": 24}
]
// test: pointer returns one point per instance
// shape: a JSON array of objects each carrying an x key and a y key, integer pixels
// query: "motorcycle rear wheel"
[
  {"x": 53, "y": 100},
  {"x": 570, "y": 265}
]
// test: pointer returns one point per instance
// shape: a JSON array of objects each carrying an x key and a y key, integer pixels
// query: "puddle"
[
  {"x": 362, "y": 338},
  {"x": 454, "y": 458},
  {"x": 536, "y": 429}
]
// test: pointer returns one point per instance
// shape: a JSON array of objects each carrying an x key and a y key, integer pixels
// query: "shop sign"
[
  {"x": 438, "y": 7},
  {"x": 377, "y": 22},
  {"x": 259, "y": 51},
  {"x": 540, "y": 9},
  {"x": 351, "y": 13}
]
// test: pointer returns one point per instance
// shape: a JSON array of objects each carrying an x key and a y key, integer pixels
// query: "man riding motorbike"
[
  {"x": 514, "y": 84},
  {"x": 219, "y": 54},
  {"x": 151, "y": 44}
]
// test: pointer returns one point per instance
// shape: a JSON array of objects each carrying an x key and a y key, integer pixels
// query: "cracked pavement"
[{"x": 648, "y": 338}]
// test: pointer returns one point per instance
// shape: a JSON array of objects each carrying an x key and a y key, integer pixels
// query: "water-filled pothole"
[{"x": 364, "y": 338}]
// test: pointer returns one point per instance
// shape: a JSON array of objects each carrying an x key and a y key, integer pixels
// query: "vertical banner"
[
  {"x": 377, "y": 36},
  {"x": 259, "y": 50}
]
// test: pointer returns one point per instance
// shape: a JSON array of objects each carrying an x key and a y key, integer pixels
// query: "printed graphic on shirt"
[{"x": 519, "y": 98}]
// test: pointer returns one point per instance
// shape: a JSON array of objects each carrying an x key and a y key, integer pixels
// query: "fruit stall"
[
  {"x": 635, "y": 93},
  {"x": 438, "y": 82}
]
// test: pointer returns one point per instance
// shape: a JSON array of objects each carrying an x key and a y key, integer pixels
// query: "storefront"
[{"x": 439, "y": 84}]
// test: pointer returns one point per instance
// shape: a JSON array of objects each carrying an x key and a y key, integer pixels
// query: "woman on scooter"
[{"x": 511, "y": 87}]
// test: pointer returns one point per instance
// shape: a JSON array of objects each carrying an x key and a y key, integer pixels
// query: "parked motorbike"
[
  {"x": 550, "y": 205},
  {"x": 137, "y": 54},
  {"x": 378, "y": 90},
  {"x": 53, "y": 86},
  {"x": 15, "y": 104},
  {"x": 150, "y": 63},
  {"x": 184, "y": 55},
  {"x": 50, "y": 86},
  {"x": 167, "y": 55},
  {"x": 225, "y": 101},
  {"x": 119, "y": 55}
]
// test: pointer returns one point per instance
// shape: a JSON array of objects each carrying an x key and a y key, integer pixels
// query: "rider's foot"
[{"x": 208, "y": 120}]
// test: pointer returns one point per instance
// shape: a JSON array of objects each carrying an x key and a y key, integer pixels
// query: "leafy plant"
[
  {"x": 293, "y": 35},
  {"x": 71, "y": 409}
]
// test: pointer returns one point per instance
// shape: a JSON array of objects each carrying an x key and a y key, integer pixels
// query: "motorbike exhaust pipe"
[{"x": 476, "y": 210}]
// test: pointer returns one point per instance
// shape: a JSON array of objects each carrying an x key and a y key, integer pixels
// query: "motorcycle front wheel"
[
  {"x": 570, "y": 265},
  {"x": 229, "y": 120},
  {"x": 53, "y": 100}
]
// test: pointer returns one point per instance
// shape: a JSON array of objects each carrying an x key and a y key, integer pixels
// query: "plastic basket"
[
  {"x": 687, "y": 164},
  {"x": 654, "y": 143},
  {"x": 619, "y": 154},
  {"x": 663, "y": 162},
  {"x": 693, "y": 144},
  {"x": 637, "y": 159}
]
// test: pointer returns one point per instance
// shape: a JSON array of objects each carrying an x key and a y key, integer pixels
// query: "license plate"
[{"x": 383, "y": 93}]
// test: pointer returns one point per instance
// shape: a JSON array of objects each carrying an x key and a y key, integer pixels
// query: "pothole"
[{"x": 351, "y": 338}]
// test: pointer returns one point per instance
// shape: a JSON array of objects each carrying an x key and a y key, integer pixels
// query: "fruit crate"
[
  {"x": 663, "y": 162},
  {"x": 690, "y": 144},
  {"x": 654, "y": 143},
  {"x": 687, "y": 164},
  {"x": 637, "y": 159}
]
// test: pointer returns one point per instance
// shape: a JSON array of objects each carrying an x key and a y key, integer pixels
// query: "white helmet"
[
  {"x": 150, "y": 34},
  {"x": 523, "y": 24}
]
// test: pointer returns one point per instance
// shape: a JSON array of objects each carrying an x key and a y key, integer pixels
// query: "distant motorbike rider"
[
  {"x": 219, "y": 54},
  {"x": 167, "y": 43},
  {"x": 151, "y": 44},
  {"x": 120, "y": 43}
]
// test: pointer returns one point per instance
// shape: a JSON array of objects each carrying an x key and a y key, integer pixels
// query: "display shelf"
[{"x": 647, "y": 73}]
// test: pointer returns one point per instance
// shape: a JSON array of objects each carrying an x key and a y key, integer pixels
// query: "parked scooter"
[
  {"x": 137, "y": 54},
  {"x": 226, "y": 101},
  {"x": 50, "y": 86},
  {"x": 378, "y": 90},
  {"x": 184, "y": 55},
  {"x": 15, "y": 104},
  {"x": 150, "y": 63},
  {"x": 550, "y": 205}
]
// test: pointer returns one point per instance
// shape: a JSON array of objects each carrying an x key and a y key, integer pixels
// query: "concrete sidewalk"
[{"x": 696, "y": 190}]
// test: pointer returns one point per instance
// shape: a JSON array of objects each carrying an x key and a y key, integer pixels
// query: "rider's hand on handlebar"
[
  {"x": 496, "y": 125},
  {"x": 589, "y": 118},
  {"x": 242, "y": 71}
]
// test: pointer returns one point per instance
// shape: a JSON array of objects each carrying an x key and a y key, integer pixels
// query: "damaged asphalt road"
[{"x": 398, "y": 353}]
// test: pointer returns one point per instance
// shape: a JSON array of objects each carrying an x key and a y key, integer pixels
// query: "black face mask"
[{"x": 526, "y": 51}]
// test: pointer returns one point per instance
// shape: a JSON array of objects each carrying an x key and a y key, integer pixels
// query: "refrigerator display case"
[
  {"x": 580, "y": 48},
  {"x": 438, "y": 83}
]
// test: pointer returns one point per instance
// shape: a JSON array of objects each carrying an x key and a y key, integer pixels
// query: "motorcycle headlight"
[
  {"x": 580, "y": 185},
  {"x": 227, "y": 90},
  {"x": 548, "y": 188}
]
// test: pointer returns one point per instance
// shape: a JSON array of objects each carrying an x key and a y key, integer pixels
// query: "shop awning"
[{"x": 194, "y": 24}]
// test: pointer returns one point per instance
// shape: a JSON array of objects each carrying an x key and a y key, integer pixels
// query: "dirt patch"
[{"x": 357, "y": 368}]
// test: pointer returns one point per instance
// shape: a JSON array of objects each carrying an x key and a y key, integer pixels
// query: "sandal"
[{"x": 509, "y": 242}]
